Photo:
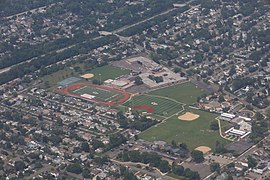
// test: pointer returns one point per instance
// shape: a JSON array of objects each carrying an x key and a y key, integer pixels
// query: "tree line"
[
  {"x": 29, "y": 67},
  {"x": 31, "y": 51},
  {"x": 131, "y": 14},
  {"x": 155, "y": 160},
  {"x": 152, "y": 22}
]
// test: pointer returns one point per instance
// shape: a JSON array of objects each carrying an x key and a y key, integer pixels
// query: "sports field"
[
  {"x": 174, "y": 101},
  {"x": 186, "y": 93},
  {"x": 95, "y": 93},
  {"x": 99, "y": 94},
  {"x": 58, "y": 76},
  {"x": 101, "y": 73},
  {"x": 160, "y": 105},
  {"x": 167, "y": 101},
  {"x": 108, "y": 72},
  {"x": 194, "y": 133}
]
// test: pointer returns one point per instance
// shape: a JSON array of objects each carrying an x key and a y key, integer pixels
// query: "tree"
[
  {"x": 215, "y": 167},
  {"x": 127, "y": 175},
  {"x": 40, "y": 117},
  {"x": 136, "y": 137},
  {"x": 232, "y": 70},
  {"x": 135, "y": 156},
  {"x": 101, "y": 160},
  {"x": 164, "y": 166},
  {"x": 86, "y": 173},
  {"x": 184, "y": 151},
  {"x": 1, "y": 164},
  {"x": 74, "y": 168},
  {"x": 59, "y": 121},
  {"x": 85, "y": 147},
  {"x": 251, "y": 162},
  {"x": 214, "y": 126},
  {"x": 197, "y": 156},
  {"x": 221, "y": 99},
  {"x": 174, "y": 143},
  {"x": 259, "y": 116},
  {"x": 176, "y": 69},
  {"x": 158, "y": 79},
  {"x": 38, "y": 164},
  {"x": 97, "y": 144},
  {"x": 178, "y": 170},
  {"x": 231, "y": 165},
  {"x": 116, "y": 140},
  {"x": 96, "y": 81},
  {"x": 220, "y": 148},
  {"x": 191, "y": 174},
  {"x": 138, "y": 80},
  {"x": 19, "y": 165}
]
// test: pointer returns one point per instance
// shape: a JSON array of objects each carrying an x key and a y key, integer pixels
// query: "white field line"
[
  {"x": 80, "y": 89},
  {"x": 111, "y": 97}
]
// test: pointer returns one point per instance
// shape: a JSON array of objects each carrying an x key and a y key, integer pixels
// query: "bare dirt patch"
[
  {"x": 188, "y": 116},
  {"x": 203, "y": 149},
  {"x": 88, "y": 76}
]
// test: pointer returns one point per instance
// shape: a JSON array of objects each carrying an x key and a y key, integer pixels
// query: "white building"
[
  {"x": 261, "y": 168},
  {"x": 227, "y": 116}
]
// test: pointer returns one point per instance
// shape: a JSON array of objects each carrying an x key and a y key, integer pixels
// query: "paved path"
[{"x": 220, "y": 130}]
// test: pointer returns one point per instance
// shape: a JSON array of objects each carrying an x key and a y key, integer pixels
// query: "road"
[
  {"x": 132, "y": 25},
  {"x": 32, "y": 11}
]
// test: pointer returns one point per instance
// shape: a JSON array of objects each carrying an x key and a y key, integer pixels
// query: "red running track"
[
  {"x": 148, "y": 109},
  {"x": 73, "y": 87}
]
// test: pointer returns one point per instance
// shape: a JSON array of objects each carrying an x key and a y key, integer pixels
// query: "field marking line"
[
  {"x": 164, "y": 97},
  {"x": 111, "y": 97},
  {"x": 80, "y": 89},
  {"x": 123, "y": 106},
  {"x": 160, "y": 116},
  {"x": 165, "y": 120},
  {"x": 103, "y": 89},
  {"x": 169, "y": 109},
  {"x": 164, "y": 108}
]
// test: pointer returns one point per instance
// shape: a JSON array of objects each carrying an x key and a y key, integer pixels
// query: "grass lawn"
[
  {"x": 108, "y": 72},
  {"x": 225, "y": 125},
  {"x": 193, "y": 133},
  {"x": 186, "y": 93},
  {"x": 175, "y": 176},
  {"x": 58, "y": 76}
]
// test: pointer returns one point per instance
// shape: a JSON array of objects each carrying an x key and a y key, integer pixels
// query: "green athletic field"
[
  {"x": 108, "y": 72},
  {"x": 100, "y": 94},
  {"x": 186, "y": 93},
  {"x": 194, "y": 133},
  {"x": 162, "y": 106}
]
